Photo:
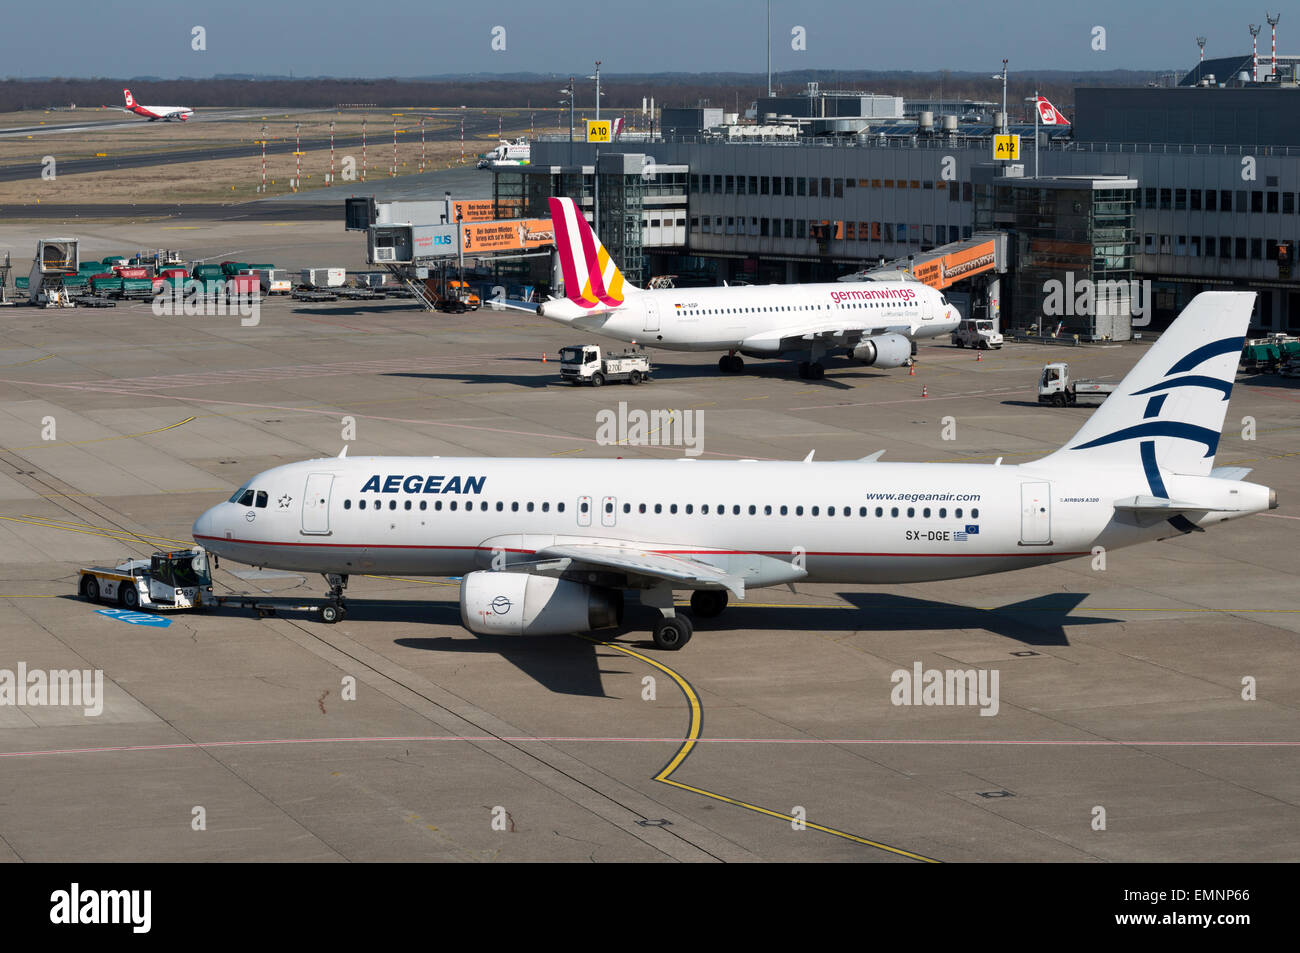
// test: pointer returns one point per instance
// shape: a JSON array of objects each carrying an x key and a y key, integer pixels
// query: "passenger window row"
[
  {"x": 454, "y": 505},
  {"x": 705, "y": 509}
]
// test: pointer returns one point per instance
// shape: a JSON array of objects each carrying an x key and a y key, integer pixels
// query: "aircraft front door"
[{"x": 316, "y": 504}]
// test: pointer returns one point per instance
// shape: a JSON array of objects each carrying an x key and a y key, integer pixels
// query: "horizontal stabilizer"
[
  {"x": 1157, "y": 506},
  {"x": 1230, "y": 473}
]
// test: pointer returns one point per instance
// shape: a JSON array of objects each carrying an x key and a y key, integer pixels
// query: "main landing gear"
[
  {"x": 335, "y": 609},
  {"x": 671, "y": 631},
  {"x": 731, "y": 363},
  {"x": 811, "y": 370}
]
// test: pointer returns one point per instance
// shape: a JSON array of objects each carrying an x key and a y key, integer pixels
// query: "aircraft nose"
[{"x": 205, "y": 527}]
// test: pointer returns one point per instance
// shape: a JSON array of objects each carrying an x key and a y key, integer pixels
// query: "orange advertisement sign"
[
  {"x": 510, "y": 235},
  {"x": 474, "y": 210},
  {"x": 945, "y": 270}
]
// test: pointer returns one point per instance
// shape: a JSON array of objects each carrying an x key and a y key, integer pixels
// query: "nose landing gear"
[{"x": 335, "y": 609}]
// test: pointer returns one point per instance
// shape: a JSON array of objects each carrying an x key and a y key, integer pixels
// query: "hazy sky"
[{"x": 420, "y": 37}]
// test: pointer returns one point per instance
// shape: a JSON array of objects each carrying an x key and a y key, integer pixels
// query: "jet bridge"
[
  {"x": 415, "y": 240},
  {"x": 979, "y": 260}
]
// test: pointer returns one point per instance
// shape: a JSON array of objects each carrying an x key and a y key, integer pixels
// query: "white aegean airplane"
[
  {"x": 548, "y": 546},
  {"x": 153, "y": 113},
  {"x": 873, "y": 322}
]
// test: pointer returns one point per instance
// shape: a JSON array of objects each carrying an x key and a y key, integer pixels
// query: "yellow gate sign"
[
  {"x": 1006, "y": 147},
  {"x": 598, "y": 130}
]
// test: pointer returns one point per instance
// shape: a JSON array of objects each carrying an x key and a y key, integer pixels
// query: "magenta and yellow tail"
[{"x": 591, "y": 279}]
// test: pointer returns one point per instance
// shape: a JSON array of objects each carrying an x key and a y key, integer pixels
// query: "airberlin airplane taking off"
[
  {"x": 548, "y": 546},
  {"x": 156, "y": 112},
  {"x": 873, "y": 322}
]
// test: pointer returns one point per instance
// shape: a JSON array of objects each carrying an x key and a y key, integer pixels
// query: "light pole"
[
  {"x": 1200, "y": 67},
  {"x": 297, "y": 152},
  {"x": 1003, "y": 76},
  {"x": 568, "y": 100},
  {"x": 597, "y": 79},
  {"x": 331, "y": 178},
  {"x": 1034, "y": 100}
]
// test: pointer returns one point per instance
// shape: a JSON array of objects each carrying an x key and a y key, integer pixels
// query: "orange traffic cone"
[
  {"x": 925, "y": 391},
  {"x": 978, "y": 356},
  {"x": 911, "y": 370},
  {"x": 543, "y": 357}
]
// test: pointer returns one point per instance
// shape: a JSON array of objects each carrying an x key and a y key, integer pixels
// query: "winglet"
[
  {"x": 344, "y": 452},
  {"x": 808, "y": 459},
  {"x": 872, "y": 457}
]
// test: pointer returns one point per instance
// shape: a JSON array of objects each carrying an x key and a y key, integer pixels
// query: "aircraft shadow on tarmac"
[
  {"x": 1271, "y": 380},
  {"x": 837, "y": 378},
  {"x": 570, "y": 666}
]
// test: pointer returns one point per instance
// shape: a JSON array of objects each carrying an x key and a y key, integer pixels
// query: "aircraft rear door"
[
  {"x": 651, "y": 314},
  {"x": 1035, "y": 514}
]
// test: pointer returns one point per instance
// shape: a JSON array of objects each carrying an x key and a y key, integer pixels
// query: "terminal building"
[{"x": 1188, "y": 188}]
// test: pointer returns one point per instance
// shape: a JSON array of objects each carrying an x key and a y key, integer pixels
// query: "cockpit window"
[
  {"x": 246, "y": 498},
  {"x": 238, "y": 494},
  {"x": 261, "y": 499}
]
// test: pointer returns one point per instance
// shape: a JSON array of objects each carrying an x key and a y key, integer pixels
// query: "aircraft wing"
[
  {"x": 839, "y": 333},
  {"x": 493, "y": 305},
  {"x": 680, "y": 570}
]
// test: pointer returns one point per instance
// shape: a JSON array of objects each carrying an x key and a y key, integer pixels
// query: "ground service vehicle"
[
  {"x": 1056, "y": 387},
  {"x": 977, "y": 333},
  {"x": 585, "y": 364},
  {"x": 162, "y": 582}
]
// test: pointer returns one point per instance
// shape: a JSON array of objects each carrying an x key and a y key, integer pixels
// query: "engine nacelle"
[
  {"x": 518, "y": 603},
  {"x": 884, "y": 350}
]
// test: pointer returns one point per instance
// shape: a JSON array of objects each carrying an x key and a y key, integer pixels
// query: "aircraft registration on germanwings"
[
  {"x": 549, "y": 546},
  {"x": 874, "y": 322}
]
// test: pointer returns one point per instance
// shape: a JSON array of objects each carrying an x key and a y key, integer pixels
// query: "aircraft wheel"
[
  {"x": 803, "y": 369},
  {"x": 329, "y": 614},
  {"x": 724, "y": 364},
  {"x": 597, "y": 379},
  {"x": 672, "y": 634},
  {"x": 129, "y": 596},
  {"x": 708, "y": 603},
  {"x": 816, "y": 371},
  {"x": 90, "y": 588}
]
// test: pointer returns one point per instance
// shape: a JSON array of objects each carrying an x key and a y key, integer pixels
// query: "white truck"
[
  {"x": 978, "y": 333},
  {"x": 1055, "y": 387},
  {"x": 584, "y": 364},
  {"x": 163, "y": 582}
]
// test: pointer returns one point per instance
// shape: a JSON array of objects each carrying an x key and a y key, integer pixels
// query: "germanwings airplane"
[
  {"x": 873, "y": 322},
  {"x": 548, "y": 546},
  {"x": 156, "y": 112}
]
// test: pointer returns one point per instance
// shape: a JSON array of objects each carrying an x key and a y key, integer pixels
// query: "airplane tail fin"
[
  {"x": 130, "y": 100},
  {"x": 591, "y": 279},
  {"x": 1168, "y": 411},
  {"x": 1049, "y": 115}
]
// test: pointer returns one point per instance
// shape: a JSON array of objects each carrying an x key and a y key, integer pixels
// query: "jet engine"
[
  {"x": 884, "y": 350},
  {"x": 517, "y": 603}
]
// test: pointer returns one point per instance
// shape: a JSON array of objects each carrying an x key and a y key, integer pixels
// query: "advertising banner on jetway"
[
  {"x": 520, "y": 234},
  {"x": 943, "y": 271},
  {"x": 473, "y": 210}
]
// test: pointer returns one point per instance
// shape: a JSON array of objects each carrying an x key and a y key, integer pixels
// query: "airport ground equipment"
[
  {"x": 977, "y": 333},
  {"x": 323, "y": 277},
  {"x": 585, "y": 364},
  {"x": 163, "y": 582},
  {"x": 1055, "y": 387},
  {"x": 1268, "y": 354},
  {"x": 56, "y": 259}
]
